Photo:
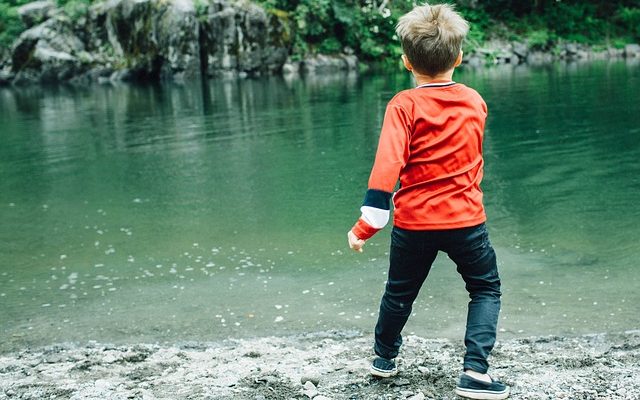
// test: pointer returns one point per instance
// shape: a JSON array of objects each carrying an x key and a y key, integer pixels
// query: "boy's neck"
[{"x": 423, "y": 79}]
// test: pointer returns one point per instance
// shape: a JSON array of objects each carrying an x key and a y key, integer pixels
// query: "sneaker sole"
[
  {"x": 482, "y": 394},
  {"x": 382, "y": 373}
]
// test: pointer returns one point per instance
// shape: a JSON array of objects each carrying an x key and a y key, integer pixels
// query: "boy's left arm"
[{"x": 391, "y": 156}]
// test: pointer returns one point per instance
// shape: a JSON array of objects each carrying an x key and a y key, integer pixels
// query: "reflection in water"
[{"x": 219, "y": 208}]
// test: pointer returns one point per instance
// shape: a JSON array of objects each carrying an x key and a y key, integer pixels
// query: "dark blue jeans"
[{"x": 411, "y": 256}]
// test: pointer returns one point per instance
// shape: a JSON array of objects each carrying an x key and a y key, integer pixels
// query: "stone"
[
  {"x": 351, "y": 61},
  {"x": 428, "y": 394},
  {"x": 401, "y": 382},
  {"x": 178, "y": 37},
  {"x": 6, "y": 77},
  {"x": 423, "y": 370},
  {"x": 312, "y": 379},
  {"x": 324, "y": 64},
  {"x": 538, "y": 57},
  {"x": 310, "y": 390},
  {"x": 611, "y": 52},
  {"x": 418, "y": 396},
  {"x": 291, "y": 67},
  {"x": 571, "y": 49},
  {"x": 36, "y": 12},
  {"x": 151, "y": 39},
  {"x": 475, "y": 61},
  {"x": 520, "y": 49},
  {"x": 47, "y": 53},
  {"x": 243, "y": 37},
  {"x": 582, "y": 54},
  {"x": 155, "y": 40},
  {"x": 632, "y": 50}
]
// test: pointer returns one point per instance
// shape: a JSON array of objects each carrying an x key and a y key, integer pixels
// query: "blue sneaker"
[
  {"x": 472, "y": 388},
  {"x": 383, "y": 368}
]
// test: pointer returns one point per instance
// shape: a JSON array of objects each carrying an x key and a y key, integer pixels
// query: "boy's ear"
[
  {"x": 407, "y": 63},
  {"x": 458, "y": 60}
]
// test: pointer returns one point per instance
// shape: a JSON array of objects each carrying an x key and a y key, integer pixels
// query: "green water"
[{"x": 205, "y": 211}]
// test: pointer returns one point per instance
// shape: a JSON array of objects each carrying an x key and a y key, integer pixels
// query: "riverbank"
[
  {"x": 320, "y": 366},
  {"x": 179, "y": 40}
]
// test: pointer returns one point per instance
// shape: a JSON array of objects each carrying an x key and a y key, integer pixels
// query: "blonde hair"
[{"x": 431, "y": 37}]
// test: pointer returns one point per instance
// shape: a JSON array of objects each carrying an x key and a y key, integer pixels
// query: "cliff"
[{"x": 147, "y": 40}]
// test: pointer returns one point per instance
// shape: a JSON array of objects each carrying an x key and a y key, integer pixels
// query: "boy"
[{"x": 431, "y": 140}]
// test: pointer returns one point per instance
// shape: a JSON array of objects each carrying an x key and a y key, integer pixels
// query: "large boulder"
[
  {"x": 243, "y": 37},
  {"x": 520, "y": 49},
  {"x": 49, "y": 52},
  {"x": 324, "y": 64},
  {"x": 36, "y": 12},
  {"x": 632, "y": 50},
  {"x": 178, "y": 36},
  {"x": 150, "y": 38}
]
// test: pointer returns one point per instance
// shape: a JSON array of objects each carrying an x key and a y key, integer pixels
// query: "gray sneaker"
[
  {"x": 383, "y": 368},
  {"x": 472, "y": 388}
]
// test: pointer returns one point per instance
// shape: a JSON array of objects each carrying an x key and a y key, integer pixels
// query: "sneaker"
[
  {"x": 383, "y": 368},
  {"x": 472, "y": 388}
]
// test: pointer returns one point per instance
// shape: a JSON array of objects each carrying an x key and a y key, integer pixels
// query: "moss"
[{"x": 279, "y": 22}]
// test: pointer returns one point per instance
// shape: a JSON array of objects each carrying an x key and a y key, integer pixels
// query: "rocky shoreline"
[
  {"x": 152, "y": 40},
  {"x": 502, "y": 52},
  {"x": 319, "y": 366}
]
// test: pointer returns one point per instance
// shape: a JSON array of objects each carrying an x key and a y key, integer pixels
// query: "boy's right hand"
[{"x": 354, "y": 242}]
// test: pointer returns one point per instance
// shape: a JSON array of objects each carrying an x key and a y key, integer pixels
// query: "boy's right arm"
[{"x": 391, "y": 156}]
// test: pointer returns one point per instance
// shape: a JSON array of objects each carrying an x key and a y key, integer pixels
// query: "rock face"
[
  {"x": 242, "y": 37},
  {"x": 148, "y": 39},
  {"x": 34, "y": 13},
  {"x": 48, "y": 52}
]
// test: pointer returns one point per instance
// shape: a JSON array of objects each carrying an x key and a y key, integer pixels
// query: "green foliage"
[
  {"x": 201, "y": 9},
  {"x": 10, "y": 24},
  {"x": 540, "y": 39},
  {"x": 14, "y": 3},
  {"x": 629, "y": 21},
  {"x": 75, "y": 9},
  {"x": 330, "y": 45},
  {"x": 479, "y": 24},
  {"x": 367, "y": 27},
  {"x": 330, "y": 26}
]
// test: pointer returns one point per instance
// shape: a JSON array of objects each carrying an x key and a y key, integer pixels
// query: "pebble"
[
  {"x": 428, "y": 394},
  {"x": 313, "y": 379},
  {"x": 418, "y": 396},
  {"x": 310, "y": 390},
  {"x": 401, "y": 382}
]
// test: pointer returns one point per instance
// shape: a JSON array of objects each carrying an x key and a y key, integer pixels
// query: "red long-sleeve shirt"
[{"x": 431, "y": 140}]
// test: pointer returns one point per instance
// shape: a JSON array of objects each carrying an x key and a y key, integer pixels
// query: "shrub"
[
  {"x": 539, "y": 39},
  {"x": 10, "y": 24},
  {"x": 629, "y": 21}
]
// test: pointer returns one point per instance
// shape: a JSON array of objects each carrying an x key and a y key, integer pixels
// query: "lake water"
[{"x": 220, "y": 209}]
